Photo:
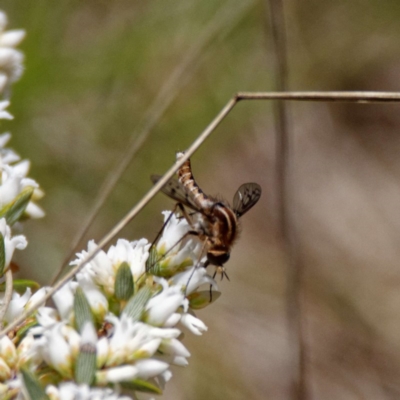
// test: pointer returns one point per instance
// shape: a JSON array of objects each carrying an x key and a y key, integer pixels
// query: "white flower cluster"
[
  {"x": 17, "y": 196},
  {"x": 10, "y": 59},
  {"x": 15, "y": 186},
  {"x": 14, "y": 181},
  {"x": 117, "y": 318}
]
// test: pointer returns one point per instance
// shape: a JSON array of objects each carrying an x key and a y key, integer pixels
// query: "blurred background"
[{"x": 99, "y": 72}]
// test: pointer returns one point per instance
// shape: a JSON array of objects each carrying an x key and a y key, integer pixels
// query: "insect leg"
[
  {"x": 215, "y": 273},
  {"x": 197, "y": 264},
  {"x": 162, "y": 229},
  {"x": 152, "y": 260},
  {"x": 149, "y": 262},
  {"x": 220, "y": 270},
  {"x": 176, "y": 244},
  {"x": 186, "y": 215}
]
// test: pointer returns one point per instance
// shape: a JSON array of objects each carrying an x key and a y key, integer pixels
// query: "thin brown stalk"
[
  {"x": 285, "y": 202},
  {"x": 345, "y": 96},
  {"x": 358, "y": 97},
  {"x": 225, "y": 19}
]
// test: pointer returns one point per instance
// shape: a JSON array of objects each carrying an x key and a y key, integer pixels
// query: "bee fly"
[{"x": 214, "y": 221}]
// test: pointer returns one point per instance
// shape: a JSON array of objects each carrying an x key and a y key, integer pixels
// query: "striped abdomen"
[
  {"x": 192, "y": 189},
  {"x": 222, "y": 234},
  {"x": 225, "y": 225}
]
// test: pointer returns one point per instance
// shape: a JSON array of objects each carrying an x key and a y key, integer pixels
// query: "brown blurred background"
[{"x": 93, "y": 69}]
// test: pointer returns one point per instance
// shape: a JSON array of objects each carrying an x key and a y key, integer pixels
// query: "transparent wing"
[
  {"x": 246, "y": 196},
  {"x": 176, "y": 191}
]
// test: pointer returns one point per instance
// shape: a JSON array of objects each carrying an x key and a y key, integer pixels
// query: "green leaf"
[
  {"x": 32, "y": 385},
  {"x": 2, "y": 255},
  {"x": 49, "y": 376},
  {"x": 25, "y": 329},
  {"x": 141, "y": 386},
  {"x": 82, "y": 310},
  {"x": 199, "y": 300},
  {"x": 123, "y": 288},
  {"x": 136, "y": 304},
  {"x": 14, "y": 210},
  {"x": 151, "y": 262},
  {"x": 20, "y": 285},
  {"x": 85, "y": 366}
]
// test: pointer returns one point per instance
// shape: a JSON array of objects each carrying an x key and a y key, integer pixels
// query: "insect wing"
[
  {"x": 176, "y": 191},
  {"x": 246, "y": 196}
]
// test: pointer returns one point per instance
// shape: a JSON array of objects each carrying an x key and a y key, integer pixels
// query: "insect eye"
[{"x": 217, "y": 259}]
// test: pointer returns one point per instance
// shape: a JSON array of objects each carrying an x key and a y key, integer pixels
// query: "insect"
[{"x": 214, "y": 221}]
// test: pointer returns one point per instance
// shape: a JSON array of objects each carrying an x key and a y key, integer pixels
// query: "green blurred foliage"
[{"x": 93, "y": 69}]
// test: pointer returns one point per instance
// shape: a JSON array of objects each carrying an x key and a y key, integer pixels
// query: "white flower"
[
  {"x": 172, "y": 320},
  {"x": 13, "y": 177},
  {"x": 59, "y": 347},
  {"x": 173, "y": 249},
  {"x": 12, "y": 184},
  {"x": 70, "y": 390},
  {"x": 64, "y": 299},
  {"x": 192, "y": 278},
  {"x": 97, "y": 301},
  {"x": 7, "y": 156},
  {"x": 10, "y": 59},
  {"x": 37, "y": 297},
  {"x": 17, "y": 305},
  {"x": 3, "y": 81},
  {"x": 194, "y": 324},
  {"x": 4, "y": 139},
  {"x": 102, "y": 350},
  {"x": 4, "y": 114},
  {"x": 8, "y": 352},
  {"x": 22, "y": 169},
  {"x": 34, "y": 211},
  {"x": 173, "y": 360},
  {"x": 150, "y": 368},
  {"x": 5, "y": 371},
  {"x": 164, "y": 378},
  {"x": 134, "y": 253},
  {"x": 130, "y": 340},
  {"x": 165, "y": 333},
  {"x": 11, "y": 243},
  {"x": 174, "y": 347},
  {"x": 89, "y": 335},
  {"x": 12, "y": 38},
  {"x": 104, "y": 266},
  {"x": 46, "y": 317},
  {"x": 11, "y": 63},
  {"x": 27, "y": 351},
  {"x": 100, "y": 267},
  {"x": 160, "y": 307},
  {"x": 117, "y": 374},
  {"x": 3, "y": 21},
  {"x": 173, "y": 231}
]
